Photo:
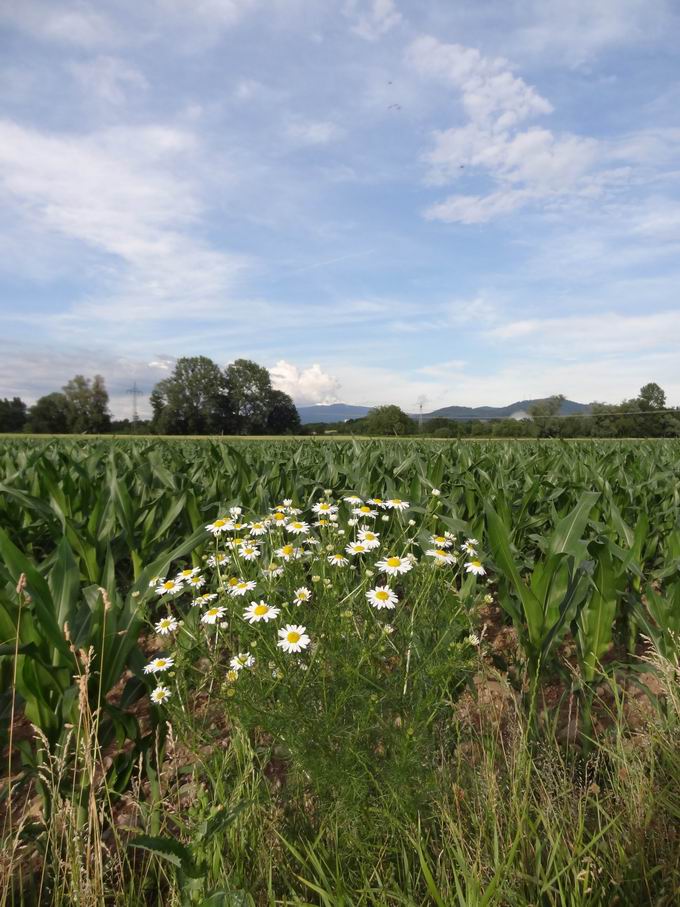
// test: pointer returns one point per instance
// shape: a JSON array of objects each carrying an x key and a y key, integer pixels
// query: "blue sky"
[{"x": 379, "y": 200}]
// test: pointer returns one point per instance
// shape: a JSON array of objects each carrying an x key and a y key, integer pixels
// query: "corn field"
[{"x": 581, "y": 542}]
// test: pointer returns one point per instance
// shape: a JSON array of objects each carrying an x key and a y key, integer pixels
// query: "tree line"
[
  {"x": 198, "y": 398},
  {"x": 644, "y": 416}
]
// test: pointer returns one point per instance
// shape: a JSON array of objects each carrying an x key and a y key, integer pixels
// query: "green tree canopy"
[
  {"x": 88, "y": 403},
  {"x": 13, "y": 414},
  {"x": 50, "y": 414},
  {"x": 192, "y": 400},
  {"x": 389, "y": 420}
]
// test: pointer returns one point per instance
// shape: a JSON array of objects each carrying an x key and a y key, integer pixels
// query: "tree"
[
  {"x": 651, "y": 396},
  {"x": 389, "y": 420},
  {"x": 249, "y": 389},
  {"x": 89, "y": 404},
  {"x": 50, "y": 414},
  {"x": 12, "y": 414},
  {"x": 191, "y": 401},
  {"x": 283, "y": 418}
]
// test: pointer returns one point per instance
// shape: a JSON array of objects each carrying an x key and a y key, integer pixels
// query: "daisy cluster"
[{"x": 263, "y": 558}]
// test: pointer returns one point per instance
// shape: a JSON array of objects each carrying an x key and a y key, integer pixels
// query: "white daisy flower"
[
  {"x": 235, "y": 512},
  {"x": 441, "y": 541},
  {"x": 160, "y": 694},
  {"x": 365, "y": 511},
  {"x": 257, "y": 529},
  {"x": 323, "y": 508},
  {"x": 242, "y": 660},
  {"x": 213, "y": 615},
  {"x": 441, "y": 556},
  {"x": 154, "y": 581},
  {"x": 369, "y": 538},
  {"x": 237, "y": 542},
  {"x": 196, "y": 582},
  {"x": 378, "y": 502},
  {"x": 293, "y": 638},
  {"x": 159, "y": 664},
  {"x": 260, "y": 611},
  {"x": 327, "y": 524},
  {"x": 470, "y": 546},
  {"x": 355, "y": 548},
  {"x": 286, "y": 552},
  {"x": 394, "y": 565},
  {"x": 287, "y": 502},
  {"x": 337, "y": 560},
  {"x": 303, "y": 594},
  {"x": 298, "y": 527},
  {"x": 184, "y": 575},
  {"x": 382, "y": 597},
  {"x": 169, "y": 587},
  {"x": 273, "y": 570},
  {"x": 242, "y": 587},
  {"x": 293, "y": 511},
  {"x": 278, "y": 518},
  {"x": 397, "y": 504},
  {"x": 475, "y": 567},
  {"x": 205, "y": 599},
  {"x": 217, "y": 527},
  {"x": 166, "y": 625},
  {"x": 353, "y": 499},
  {"x": 249, "y": 552},
  {"x": 218, "y": 560},
  {"x": 473, "y": 639}
]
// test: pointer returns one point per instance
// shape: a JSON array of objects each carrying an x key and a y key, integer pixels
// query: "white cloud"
[
  {"x": 77, "y": 23},
  {"x": 305, "y": 385},
  {"x": 313, "y": 132},
  {"x": 108, "y": 78},
  {"x": 128, "y": 194},
  {"x": 372, "y": 18}
]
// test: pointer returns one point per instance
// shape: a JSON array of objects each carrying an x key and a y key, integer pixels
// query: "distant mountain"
[
  {"x": 340, "y": 412},
  {"x": 331, "y": 412},
  {"x": 568, "y": 408}
]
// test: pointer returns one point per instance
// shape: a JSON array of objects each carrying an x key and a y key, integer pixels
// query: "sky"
[{"x": 383, "y": 201}]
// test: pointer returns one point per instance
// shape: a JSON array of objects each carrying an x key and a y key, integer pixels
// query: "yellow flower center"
[
  {"x": 476, "y": 563},
  {"x": 261, "y": 609},
  {"x": 440, "y": 539},
  {"x": 293, "y": 636},
  {"x": 232, "y": 581},
  {"x": 169, "y": 584},
  {"x": 212, "y": 612},
  {"x": 161, "y": 663},
  {"x": 365, "y": 509},
  {"x": 369, "y": 537},
  {"x": 219, "y": 523},
  {"x": 287, "y": 549},
  {"x": 383, "y": 596},
  {"x": 393, "y": 561},
  {"x": 279, "y": 517},
  {"x": 396, "y": 501}
]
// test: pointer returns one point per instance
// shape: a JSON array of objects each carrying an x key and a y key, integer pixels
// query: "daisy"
[
  {"x": 324, "y": 507},
  {"x": 235, "y": 512},
  {"x": 470, "y": 546},
  {"x": 257, "y": 529},
  {"x": 169, "y": 587},
  {"x": 441, "y": 556},
  {"x": 353, "y": 499},
  {"x": 293, "y": 511},
  {"x": 397, "y": 504},
  {"x": 205, "y": 599},
  {"x": 327, "y": 524},
  {"x": 186, "y": 574},
  {"x": 303, "y": 594},
  {"x": 237, "y": 527},
  {"x": 242, "y": 587},
  {"x": 213, "y": 615},
  {"x": 286, "y": 552},
  {"x": 441, "y": 541},
  {"x": 160, "y": 694},
  {"x": 356, "y": 548},
  {"x": 196, "y": 582},
  {"x": 394, "y": 565},
  {"x": 365, "y": 511},
  {"x": 219, "y": 526},
  {"x": 337, "y": 560},
  {"x": 475, "y": 567},
  {"x": 166, "y": 625},
  {"x": 298, "y": 527},
  {"x": 260, "y": 611},
  {"x": 249, "y": 552},
  {"x": 242, "y": 660},
  {"x": 273, "y": 570},
  {"x": 159, "y": 664},
  {"x": 236, "y": 543},
  {"x": 378, "y": 502},
  {"x": 218, "y": 560},
  {"x": 278, "y": 519},
  {"x": 154, "y": 581},
  {"x": 369, "y": 538},
  {"x": 293, "y": 638},
  {"x": 382, "y": 597}
]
